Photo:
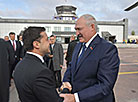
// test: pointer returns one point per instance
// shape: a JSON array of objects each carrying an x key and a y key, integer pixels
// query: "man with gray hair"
[{"x": 92, "y": 73}]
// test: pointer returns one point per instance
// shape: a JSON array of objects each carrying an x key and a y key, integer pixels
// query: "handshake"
[
  {"x": 66, "y": 88},
  {"x": 66, "y": 92}
]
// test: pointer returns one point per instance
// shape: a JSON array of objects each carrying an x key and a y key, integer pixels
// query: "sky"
[{"x": 102, "y": 10}]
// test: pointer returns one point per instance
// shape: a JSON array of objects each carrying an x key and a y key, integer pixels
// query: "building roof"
[{"x": 43, "y": 21}]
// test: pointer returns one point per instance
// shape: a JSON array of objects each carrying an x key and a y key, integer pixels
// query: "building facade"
[{"x": 63, "y": 26}]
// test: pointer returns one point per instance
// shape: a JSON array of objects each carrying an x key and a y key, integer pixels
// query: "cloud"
[
  {"x": 45, "y": 9},
  {"x": 133, "y": 21}
]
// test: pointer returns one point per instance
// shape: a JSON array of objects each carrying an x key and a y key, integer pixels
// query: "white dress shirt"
[
  {"x": 14, "y": 43},
  {"x": 37, "y": 55}
]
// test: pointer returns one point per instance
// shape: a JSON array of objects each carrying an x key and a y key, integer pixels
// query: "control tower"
[{"x": 65, "y": 12}]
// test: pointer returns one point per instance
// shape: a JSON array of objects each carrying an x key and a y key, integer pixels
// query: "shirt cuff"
[{"x": 76, "y": 97}]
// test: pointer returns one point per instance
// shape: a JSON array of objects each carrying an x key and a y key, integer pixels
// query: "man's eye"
[{"x": 77, "y": 28}]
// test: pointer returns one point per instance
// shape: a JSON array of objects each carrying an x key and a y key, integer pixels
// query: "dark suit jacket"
[
  {"x": 57, "y": 56},
  {"x": 96, "y": 73},
  {"x": 70, "y": 50},
  {"x": 34, "y": 81},
  {"x": 4, "y": 70},
  {"x": 14, "y": 55},
  {"x": 22, "y": 51}
]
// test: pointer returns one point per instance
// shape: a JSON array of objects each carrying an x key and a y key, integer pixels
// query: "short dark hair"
[
  {"x": 52, "y": 36},
  {"x": 31, "y": 34},
  {"x": 11, "y": 33}
]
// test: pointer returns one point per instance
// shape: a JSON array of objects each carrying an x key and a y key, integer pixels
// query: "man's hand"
[
  {"x": 68, "y": 97},
  {"x": 51, "y": 56},
  {"x": 66, "y": 85},
  {"x": 61, "y": 66}
]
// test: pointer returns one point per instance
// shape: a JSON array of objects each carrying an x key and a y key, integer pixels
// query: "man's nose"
[{"x": 77, "y": 32}]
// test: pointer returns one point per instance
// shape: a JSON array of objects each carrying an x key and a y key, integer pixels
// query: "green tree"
[{"x": 133, "y": 32}]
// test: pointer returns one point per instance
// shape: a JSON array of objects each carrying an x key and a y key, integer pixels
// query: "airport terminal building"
[{"x": 62, "y": 25}]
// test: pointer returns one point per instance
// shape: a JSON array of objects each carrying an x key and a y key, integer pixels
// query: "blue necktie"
[{"x": 83, "y": 50}]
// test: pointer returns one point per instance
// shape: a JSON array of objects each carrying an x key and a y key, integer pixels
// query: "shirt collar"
[
  {"x": 37, "y": 55},
  {"x": 87, "y": 44},
  {"x": 52, "y": 45},
  {"x": 12, "y": 41}
]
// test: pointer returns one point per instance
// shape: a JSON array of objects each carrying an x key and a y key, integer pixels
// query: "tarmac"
[{"x": 126, "y": 87}]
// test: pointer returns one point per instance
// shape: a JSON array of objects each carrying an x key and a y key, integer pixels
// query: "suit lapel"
[
  {"x": 76, "y": 57},
  {"x": 11, "y": 45},
  {"x": 16, "y": 44},
  {"x": 88, "y": 51}
]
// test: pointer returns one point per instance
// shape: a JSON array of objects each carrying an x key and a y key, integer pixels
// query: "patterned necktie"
[
  {"x": 14, "y": 46},
  {"x": 82, "y": 52}
]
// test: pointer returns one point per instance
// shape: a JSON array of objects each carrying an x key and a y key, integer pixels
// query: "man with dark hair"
[
  {"x": 56, "y": 59},
  {"x": 4, "y": 70},
  {"x": 14, "y": 50},
  {"x": 33, "y": 80}
]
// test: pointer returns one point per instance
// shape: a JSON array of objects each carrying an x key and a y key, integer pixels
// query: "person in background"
[
  {"x": 70, "y": 49},
  {"x": 56, "y": 59},
  {"x": 93, "y": 71},
  {"x": 4, "y": 72},
  {"x": 33, "y": 80},
  {"x": 22, "y": 48},
  {"x": 21, "y": 39},
  {"x": 14, "y": 51},
  {"x": 6, "y": 38}
]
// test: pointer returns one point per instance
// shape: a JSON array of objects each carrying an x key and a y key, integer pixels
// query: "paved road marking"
[{"x": 120, "y": 73}]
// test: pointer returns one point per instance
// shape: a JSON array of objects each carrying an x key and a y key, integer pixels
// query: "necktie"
[
  {"x": 14, "y": 46},
  {"x": 83, "y": 50}
]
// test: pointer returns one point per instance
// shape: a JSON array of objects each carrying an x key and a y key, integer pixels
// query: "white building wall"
[
  {"x": 17, "y": 27},
  {"x": 5, "y": 28},
  {"x": 14, "y": 27},
  {"x": 113, "y": 30}
]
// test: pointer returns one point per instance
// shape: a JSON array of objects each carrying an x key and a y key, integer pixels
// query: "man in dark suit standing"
[
  {"x": 14, "y": 50},
  {"x": 56, "y": 59},
  {"x": 4, "y": 70},
  {"x": 70, "y": 49},
  {"x": 94, "y": 67},
  {"x": 22, "y": 51},
  {"x": 33, "y": 80}
]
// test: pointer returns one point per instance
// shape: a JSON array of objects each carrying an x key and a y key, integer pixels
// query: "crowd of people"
[{"x": 35, "y": 62}]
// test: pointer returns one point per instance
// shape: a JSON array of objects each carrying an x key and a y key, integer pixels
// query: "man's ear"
[
  {"x": 36, "y": 44},
  {"x": 93, "y": 27}
]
